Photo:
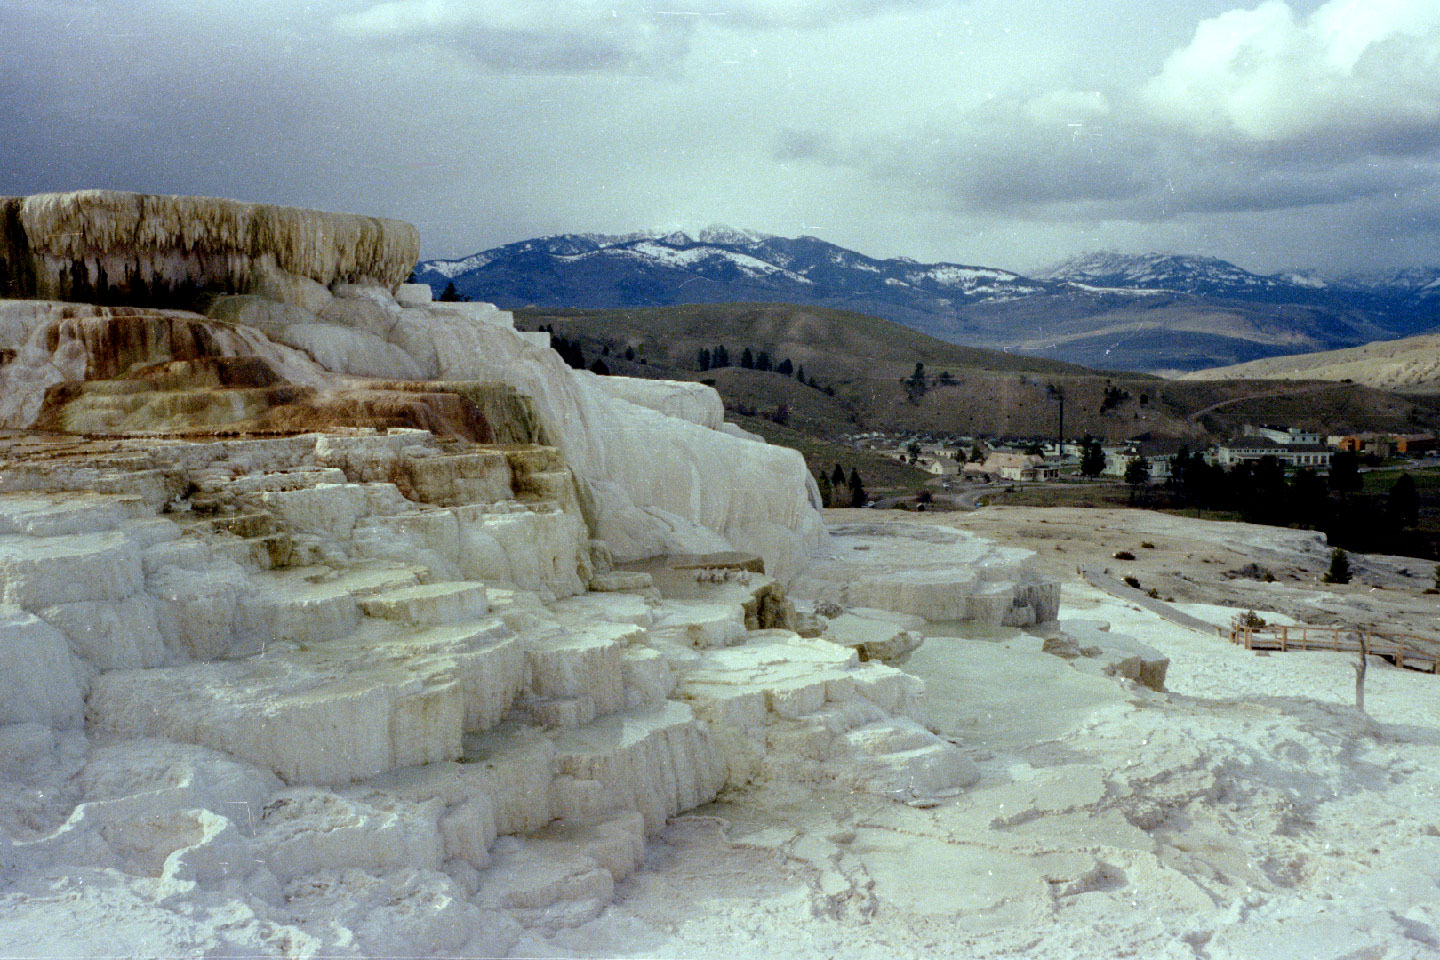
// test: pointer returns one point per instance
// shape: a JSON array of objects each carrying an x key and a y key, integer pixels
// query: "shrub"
[
  {"x": 1249, "y": 620},
  {"x": 1339, "y": 571},
  {"x": 1123, "y": 555},
  {"x": 1131, "y": 581}
]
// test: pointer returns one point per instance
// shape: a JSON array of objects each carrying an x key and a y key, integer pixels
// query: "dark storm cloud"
[{"x": 1012, "y": 132}]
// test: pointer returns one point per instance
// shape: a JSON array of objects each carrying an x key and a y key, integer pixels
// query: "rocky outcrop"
[{"x": 104, "y": 246}]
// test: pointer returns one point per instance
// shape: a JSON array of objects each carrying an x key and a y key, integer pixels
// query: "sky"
[{"x": 1285, "y": 134}]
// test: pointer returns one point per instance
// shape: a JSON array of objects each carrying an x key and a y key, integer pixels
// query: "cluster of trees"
[
  {"x": 707, "y": 359},
  {"x": 838, "y": 491},
  {"x": 1114, "y": 397},
  {"x": 918, "y": 383},
  {"x": 573, "y": 352},
  {"x": 1261, "y": 492}
]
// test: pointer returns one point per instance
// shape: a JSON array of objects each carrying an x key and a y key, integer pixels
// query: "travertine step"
[
  {"x": 70, "y": 568},
  {"x": 583, "y": 662},
  {"x": 271, "y": 552},
  {"x": 656, "y": 760},
  {"x": 274, "y": 481},
  {"x": 331, "y": 713},
  {"x": 565, "y": 874},
  {"x": 619, "y": 582},
  {"x": 700, "y": 625},
  {"x": 52, "y": 515},
  {"x": 430, "y": 603},
  {"x": 245, "y": 525},
  {"x": 481, "y": 477}
]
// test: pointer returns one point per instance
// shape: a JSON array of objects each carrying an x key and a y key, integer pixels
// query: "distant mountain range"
[{"x": 1151, "y": 312}]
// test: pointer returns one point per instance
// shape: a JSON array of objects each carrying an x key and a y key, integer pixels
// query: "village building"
[
  {"x": 1022, "y": 467},
  {"x": 1293, "y": 455}
]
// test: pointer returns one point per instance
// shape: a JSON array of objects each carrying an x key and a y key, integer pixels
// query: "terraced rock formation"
[{"x": 335, "y": 621}]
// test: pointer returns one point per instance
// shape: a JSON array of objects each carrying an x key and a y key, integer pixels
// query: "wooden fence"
[{"x": 1403, "y": 649}]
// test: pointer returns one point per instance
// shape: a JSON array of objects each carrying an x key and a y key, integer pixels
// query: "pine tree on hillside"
[
  {"x": 702, "y": 359},
  {"x": 827, "y": 492},
  {"x": 857, "y": 489},
  {"x": 785, "y": 367},
  {"x": 747, "y": 360},
  {"x": 762, "y": 361},
  {"x": 720, "y": 358},
  {"x": 837, "y": 477},
  {"x": 450, "y": 294},
  {"x": 800, "y": 373}
]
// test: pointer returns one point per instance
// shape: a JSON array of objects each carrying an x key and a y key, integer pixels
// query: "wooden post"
[
  {"x": 1284, "y": 639},
  {"x": 1360, "y": 677}
]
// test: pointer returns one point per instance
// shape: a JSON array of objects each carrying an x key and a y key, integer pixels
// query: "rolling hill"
[
  {"x": 1409, "y": 365},
  {"x": 860, "y": 365}
]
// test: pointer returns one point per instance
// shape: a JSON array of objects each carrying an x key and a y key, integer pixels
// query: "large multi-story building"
[{"x": 1293, "y": 447}]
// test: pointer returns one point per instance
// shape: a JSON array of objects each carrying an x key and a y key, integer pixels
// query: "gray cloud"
[{"x": 1009, "y": 132}]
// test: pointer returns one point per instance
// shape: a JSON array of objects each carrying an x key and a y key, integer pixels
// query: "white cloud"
[{"x": 1364, "y": 70}]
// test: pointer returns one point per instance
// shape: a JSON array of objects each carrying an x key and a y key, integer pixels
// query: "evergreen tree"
[
  {"x": 1137, "y": 474},
  {"x": 915, "y": 385},
  {"x": 702, "y": 359},
  {"x": 827, "y": 492},
  {"x": 1339, "y": 571},
  {"x": 720, "y": 358},
  {"x": 1402, "y": 505},
  {"x": 837, "y": 477},
  {"x": 800, "y": 373},
  {"x": 857, "y": 489},
  {"x": 630, "y": 354},
  {"x": 785, "y": 367},
  {"x": 1092, "y": 458},
  {"x": 1345, "y": 473},
  {"x": 814, "y": 384},
  {"x": 450, "y": 294},
  {"x": 1268, "y": 500},
  {"x": 762, "y": 361},
  {"x": 1309, "y": 500},
  {"x": 747, "y": 360},
  {"x": 599, "y": 367},
  {"x": 977, "y": 455},
  {"x": 945, "y": 378}
]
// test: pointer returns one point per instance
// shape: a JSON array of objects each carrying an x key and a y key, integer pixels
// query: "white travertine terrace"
[{"x": 310, "y": 605}]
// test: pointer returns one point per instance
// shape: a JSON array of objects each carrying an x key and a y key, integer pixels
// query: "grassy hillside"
[
  {"x": 830, "y": 344},
  {"x": 1411, "y": 365},
  {"x": 860, "y": 364}
]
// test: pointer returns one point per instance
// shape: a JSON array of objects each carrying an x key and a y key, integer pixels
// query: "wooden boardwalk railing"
[{"x": 1402, "y": 649}]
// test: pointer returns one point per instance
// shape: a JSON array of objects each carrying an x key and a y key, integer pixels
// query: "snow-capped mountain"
[
  {"x": 1155, "y": 311},
  {"x": 1201, "y": 276},
  {"x": 719, "y": 264}
]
